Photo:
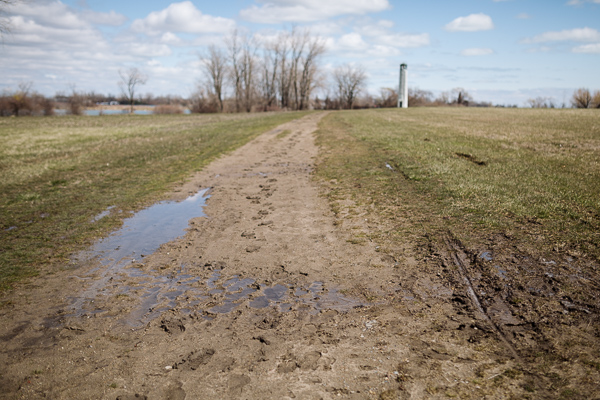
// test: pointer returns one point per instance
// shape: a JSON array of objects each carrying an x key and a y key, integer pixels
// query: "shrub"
[{"x": 168, "y": 109}]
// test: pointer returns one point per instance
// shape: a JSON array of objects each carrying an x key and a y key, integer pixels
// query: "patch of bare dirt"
[{"x": 267, "y": 297}]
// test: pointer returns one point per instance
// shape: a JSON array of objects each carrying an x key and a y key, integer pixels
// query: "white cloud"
[
  {"x": 181, "y": 17},
  {"x": 588, "y": 48},
  {"x": 146, "y": 50},
  {"x": 27, "y": 32},
  {"x": 170, "y": 38},
  {"x": 352, "y": 41},
  {"x": 471, "y": 23},
  {"x": 476, "y": 52},
  {"x": 99, "y": 18},
  {"x": 381, "y": 33},
  {"x": 276, "y": 11},
  {"x": 576, "y": 35},
  {"x": 49, "y": 13}
]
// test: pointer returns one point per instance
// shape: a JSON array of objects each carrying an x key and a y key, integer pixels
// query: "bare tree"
[
  {"x": 242, "y": 57},
  {"x": 20, "y": 101},
  {"x": 4, "y": 22},
  {"x": 242, "y": 52},
  {"x": 307, "y": 76},
  {"x": 582, "y": 98},
  {"x": 418, "y": 97},
  {"x": 291, "y": 68},
  {"x": 596, "y": 99},
  {"x": 268, "y": 78},
  {"x": 388, "y": 97},
  {"x": 460, "y": 96},
  {"x": 129, "y": 82},
  {"x": 349, "y": 82},
  {"x": 541, "y": 102},
  {"x": 215, "y": 68}
]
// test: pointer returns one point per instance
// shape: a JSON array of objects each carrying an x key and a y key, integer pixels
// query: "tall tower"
[{"x": 403, "y": 88}]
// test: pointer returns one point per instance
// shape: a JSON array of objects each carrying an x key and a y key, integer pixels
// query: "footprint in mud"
[
  {"x": 195, "y": 360},
  {"x": 172, "y": 326},
  {"x": 236, "y": 384}
]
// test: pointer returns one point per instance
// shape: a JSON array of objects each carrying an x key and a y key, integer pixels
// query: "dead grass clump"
[{"x": 168, "y": 109}]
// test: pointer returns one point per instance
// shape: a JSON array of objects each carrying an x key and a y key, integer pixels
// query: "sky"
[{"x": 499, "y": 51}]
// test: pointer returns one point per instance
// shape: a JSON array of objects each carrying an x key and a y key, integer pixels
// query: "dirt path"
[{"x": 265, "y": 298}]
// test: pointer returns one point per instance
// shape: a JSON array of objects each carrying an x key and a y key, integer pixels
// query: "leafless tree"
[
  {"x": 130, "y": 80},
  {"x": 269, "y": 75},
  {"x": 76, "y": 101},
  {"x": 418, "y": 97},
  {"x": 306, "y": 75},
  {"x": 349, "y": 82},
  {"x": 582, "y": 98},
  {"x": 290, "y": 67},
  {"x": 460, "y": 97},
  {"x": 596, "y": 99},
  {"x": 388, "y": 98},
  {"x": 215, "y": 68},
  {"x": 242, "y": 52},
  {"x": 541, "y": 102},
  {"x": 20, "y": 101},
  {"x": 4, "y": 22}
]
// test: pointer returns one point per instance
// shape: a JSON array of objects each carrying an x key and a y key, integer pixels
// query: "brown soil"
[{"x": 269, "y": 298}]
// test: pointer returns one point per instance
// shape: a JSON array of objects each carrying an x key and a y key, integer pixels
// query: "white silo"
[{"x": 403, "y": 88}]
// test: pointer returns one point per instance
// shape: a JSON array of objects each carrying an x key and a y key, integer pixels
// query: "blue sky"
[{"x": 500, "y": 51}]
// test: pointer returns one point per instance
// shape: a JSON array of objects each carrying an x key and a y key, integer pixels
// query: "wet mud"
[{"x": 260, "y": 293}]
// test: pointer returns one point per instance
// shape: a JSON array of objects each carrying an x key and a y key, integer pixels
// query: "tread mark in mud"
[{"x": 456, "y": 252}]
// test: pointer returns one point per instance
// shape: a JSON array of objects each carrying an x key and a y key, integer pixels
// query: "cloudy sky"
[{"x": 503, "y": 51}]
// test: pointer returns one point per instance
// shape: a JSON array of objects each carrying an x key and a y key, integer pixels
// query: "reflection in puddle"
[
  {"x": 148, "y": 229},
  {"x": 141, "y": 234}
]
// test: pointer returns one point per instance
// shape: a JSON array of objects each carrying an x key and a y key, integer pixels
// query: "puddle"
[
  {"x": 141, "y": 234},
  {"x": 486, "y": 255},
  {"x": 217, "y": 294},
  {"x": 146, "y": 230},
  {"x": 214, "y": 293}
]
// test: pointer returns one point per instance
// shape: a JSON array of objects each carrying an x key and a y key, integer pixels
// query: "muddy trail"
[{"x": 267, "y": 297}]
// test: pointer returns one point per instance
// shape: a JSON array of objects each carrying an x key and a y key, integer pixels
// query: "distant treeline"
[{"x": 282, "y": 72}]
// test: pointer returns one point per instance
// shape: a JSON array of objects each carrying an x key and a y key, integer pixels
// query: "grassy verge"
[
  {"x": 56, "y": 174},
  {"x": 534, "y": 174}
]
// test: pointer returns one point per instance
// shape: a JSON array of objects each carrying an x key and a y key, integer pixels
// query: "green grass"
[
  {"x": 56, "y": 174},
  {"x": 472, "y": 171}
]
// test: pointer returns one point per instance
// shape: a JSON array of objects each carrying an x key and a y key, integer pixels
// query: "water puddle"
[
  {"x": 235, "y": 291},
  {"x": 144, "y": 232},
  {"x": 141, "y": 234},
  {"x": 217, "y": 294},
  {"x": 192, "y": 289}
]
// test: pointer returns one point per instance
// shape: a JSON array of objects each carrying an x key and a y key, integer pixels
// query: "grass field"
[
  {"x": 532, "y": 174},
  {"x": 56, "y": 174}
]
